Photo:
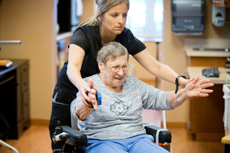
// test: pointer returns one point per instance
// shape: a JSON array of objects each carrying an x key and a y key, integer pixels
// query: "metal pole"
[
  {"x": 10, "y": 42},
  {"x": 164, "y": 119},
  {"x": 157, "y": 57}
]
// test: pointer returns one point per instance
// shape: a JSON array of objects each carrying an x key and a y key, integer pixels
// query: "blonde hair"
[
  {"x": 111, "y": 50},
  {"x": 103, "y": 6}
]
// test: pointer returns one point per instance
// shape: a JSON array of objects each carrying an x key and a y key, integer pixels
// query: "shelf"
[{"x": 63, "y": 35}]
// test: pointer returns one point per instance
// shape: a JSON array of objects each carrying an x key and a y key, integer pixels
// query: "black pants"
[{"x": 59, "y": 113}]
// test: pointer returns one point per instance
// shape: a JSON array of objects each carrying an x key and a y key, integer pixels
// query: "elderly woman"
[{"x": 116, "y": 126}]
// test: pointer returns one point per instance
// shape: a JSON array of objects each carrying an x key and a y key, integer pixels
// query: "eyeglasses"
[{"x": 117, "y": 68}]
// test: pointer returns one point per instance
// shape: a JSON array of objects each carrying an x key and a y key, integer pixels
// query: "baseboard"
[
  {"x": 39, "y": 122},
  {"x": 174, "y": 125}
]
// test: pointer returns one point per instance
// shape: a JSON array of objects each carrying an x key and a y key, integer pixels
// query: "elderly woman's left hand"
[{"x": 197, "y": 88}]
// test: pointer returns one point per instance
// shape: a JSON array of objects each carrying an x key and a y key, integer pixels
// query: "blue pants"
[{"x": 137, "y": 144}]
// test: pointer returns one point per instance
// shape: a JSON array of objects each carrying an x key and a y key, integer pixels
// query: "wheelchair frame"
[{"x": 74, "y": 141}]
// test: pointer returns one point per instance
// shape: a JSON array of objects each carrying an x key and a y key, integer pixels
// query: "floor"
[{"x": 36, "y": 140}]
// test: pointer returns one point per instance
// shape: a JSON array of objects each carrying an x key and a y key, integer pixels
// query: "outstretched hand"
[
  {"x": 183, "y": 82},
  {"x": 197, "y": 88},
  {"x": 91, "y": 93}
]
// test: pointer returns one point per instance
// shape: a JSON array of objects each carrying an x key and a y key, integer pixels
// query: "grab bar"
[{"x": 5, "y": 42}]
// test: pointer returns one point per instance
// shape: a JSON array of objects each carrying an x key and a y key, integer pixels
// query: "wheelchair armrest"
[
  {"x": 164, "y": 135},
  {"x": 76, "y": 138}
]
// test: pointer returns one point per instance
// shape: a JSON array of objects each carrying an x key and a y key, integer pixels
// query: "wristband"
[
  {"x": 177, "y": 81},
  {"x": 176, "y": 99}
]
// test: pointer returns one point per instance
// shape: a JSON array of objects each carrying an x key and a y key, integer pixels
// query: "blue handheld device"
[{"x": 98, "y": 98}]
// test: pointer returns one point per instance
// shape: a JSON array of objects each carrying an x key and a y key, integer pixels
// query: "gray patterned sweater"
[{"x": 119, "y": 115}]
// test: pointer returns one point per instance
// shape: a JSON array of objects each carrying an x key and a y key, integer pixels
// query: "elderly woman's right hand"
[{"x": 91, "y": 97}]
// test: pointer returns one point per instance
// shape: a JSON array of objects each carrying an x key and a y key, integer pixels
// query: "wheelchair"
[{"x": 71, "y": 140}]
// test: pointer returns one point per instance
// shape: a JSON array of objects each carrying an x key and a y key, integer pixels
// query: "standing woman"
[{"x": 87, "y": 40}]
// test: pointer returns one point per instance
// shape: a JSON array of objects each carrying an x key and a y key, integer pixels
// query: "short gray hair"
[{"x": 111, "y": 50}]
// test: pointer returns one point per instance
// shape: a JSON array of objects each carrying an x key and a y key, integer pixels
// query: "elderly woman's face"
[{"x": 115, "y": 71}]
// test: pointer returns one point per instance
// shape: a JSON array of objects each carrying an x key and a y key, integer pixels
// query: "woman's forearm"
[
  {"x": 166, "y": 73},
  {"x": 73, "y": 73},
  {"x": 74, "y": 76},
  {"x": 156, "y": 68},
  {"x": 82, "y": 111},
  {"x": 180, "y": 96},
  {"x": 75, "y": 60}
]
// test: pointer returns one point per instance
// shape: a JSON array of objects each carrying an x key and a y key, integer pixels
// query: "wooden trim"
[
  {"x": 208, "y": 61},
  {"x": 39, "y": 122},
  {"x": 175, "y": 125}
]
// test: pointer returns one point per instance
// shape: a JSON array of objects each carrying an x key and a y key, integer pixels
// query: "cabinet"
[
  {"x": 206, "y": 114},
  {"x": 15, "y": 95}
]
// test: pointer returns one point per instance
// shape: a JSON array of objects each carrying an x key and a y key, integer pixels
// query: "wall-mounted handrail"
[
  {"x": 5, "y": 42},
  {"x": 10, "y": 42}
]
